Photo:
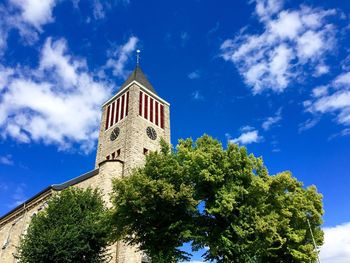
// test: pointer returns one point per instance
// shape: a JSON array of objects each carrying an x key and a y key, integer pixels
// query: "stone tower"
[{"x": 133, "y": 122}]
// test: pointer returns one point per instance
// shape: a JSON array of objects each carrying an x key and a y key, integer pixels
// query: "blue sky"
[{"x": 272, "y": 75}]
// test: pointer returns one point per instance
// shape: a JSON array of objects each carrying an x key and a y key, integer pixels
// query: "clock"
[
  {"x": 151, "y": 133},
  {"x": 115, "y": 133}
]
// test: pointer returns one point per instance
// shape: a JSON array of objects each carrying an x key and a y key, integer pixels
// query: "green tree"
[
  {"x": 73, "y": 228},
  {"x": 221, "y": 199}
]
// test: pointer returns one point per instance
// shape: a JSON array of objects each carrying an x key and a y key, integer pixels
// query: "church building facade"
[{"x": 132, "y": 124}]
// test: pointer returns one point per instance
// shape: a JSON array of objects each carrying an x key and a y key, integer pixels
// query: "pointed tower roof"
[{"x": 140, "y": 77}]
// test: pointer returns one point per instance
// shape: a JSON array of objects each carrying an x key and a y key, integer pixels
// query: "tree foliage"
[
  {"x": 73, "y": 228},
  {"x": 221, "y": 199}
]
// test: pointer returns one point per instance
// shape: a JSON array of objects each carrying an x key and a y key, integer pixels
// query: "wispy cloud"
[
  {"x": 267, "y": 8},
  {"x": 4, "y": 187},
  {"x": 308, "y": 124},
  {"x": 344, "y": 132},
  {"x": 196, "y": 95},
  {"x": 119, "y": 56},
  {"x": 18, "y": 196},
  {"x": 274, "y": 143},
  {"x": 214, "y": 29},
  {"x": 333, "y": 98},
  {"x": 271, "y": 121},
  {"x": 336, "y": 248},
  {"x": 98, "y": 10},
  {"x": 276, "y": 150},
  {"x": 184, "y": 36},
  {"x": 291, "y": 41},
  {"x": 101, "y": 7},
  {"x": 194, "y": 75},
  {"x": 7, "y": 160}
]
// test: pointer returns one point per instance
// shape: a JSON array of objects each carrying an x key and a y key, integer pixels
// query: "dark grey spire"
[{"x": 140, "y": 77}]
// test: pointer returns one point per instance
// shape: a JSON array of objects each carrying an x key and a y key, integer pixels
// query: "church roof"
[
  {"x": 140, "y": 77},
  {"x": 56, "y": 187}
]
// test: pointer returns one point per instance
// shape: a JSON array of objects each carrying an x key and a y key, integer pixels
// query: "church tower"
[{"x": 133, "y": 122}]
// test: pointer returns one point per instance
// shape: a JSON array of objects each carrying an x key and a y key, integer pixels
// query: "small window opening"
[
  {"x": 107, "y": 157},
  {"x": 113, "y": 155},
  {"x": 145, "y": 151},
  {"x": 118, "y": 152}
]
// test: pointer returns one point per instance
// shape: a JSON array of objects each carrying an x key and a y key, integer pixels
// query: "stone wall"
[{"x": 15, "y": 224}]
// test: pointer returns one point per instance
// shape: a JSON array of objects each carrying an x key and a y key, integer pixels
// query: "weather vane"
[{"x": 138, "y": 57}]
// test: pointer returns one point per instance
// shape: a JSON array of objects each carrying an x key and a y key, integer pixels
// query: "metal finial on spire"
[{"x": 138, "y": 57}]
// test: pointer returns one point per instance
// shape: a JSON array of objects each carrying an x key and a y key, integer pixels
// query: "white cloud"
[
  {"x": 5, "y": 74},
  {"x": 53, "y": 58},
  {"x": 7, "y": 160},
  {"x": 247, "y": 137},
  {"x": 266, "y": 8},
  {"x": 196, "y": 95},
  {"x": 309, "y": 44},
  {"x": 270, "y": 121},
  {"x": 336, "y": 248},
  {"x": 343, "y": 79},
  {"x": 120, "y": 55},
  {"x": 320, "y": 91},
  {"x": 57, "y": 103},
  {"x": 194, "y": 75},
  {"x": 35, "y": 12},
  {"x": 291, "y": 41},
  {"x": 333, "y": 98},
  {"x": 321, "y": 70},
  {"x": 288, "y": 25},
  {"x": 339, "y": 100},
  {"x": 27, "y": 17},
  {"x": 278, "y": 65}
]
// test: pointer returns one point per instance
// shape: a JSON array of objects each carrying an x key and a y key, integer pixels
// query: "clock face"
[
  {"x": 115, "y": 133},
  {"x": 151, "y": 133}
]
